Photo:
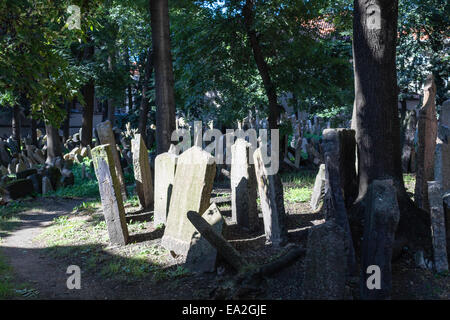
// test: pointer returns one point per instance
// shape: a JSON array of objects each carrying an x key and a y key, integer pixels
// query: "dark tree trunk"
[
  {"x": 130, "y": 93},
  {"x": 144, "y": 107},
  {"x": 104, "y": 111},
  {"x": 376, "y": 104},
  {"x": 263, "y": 68},
  {"x": 33, "y": 132},
  {"x": 111, "y": 106},
  {"x": 88, "y": 96},
  {"x": 66, "y": 125},
  {"x": 15, "y": 124},
  {"x": 54, "y": 146},
  {"x": 88, "y": 114},
  {"x": 164, "y": 81}
]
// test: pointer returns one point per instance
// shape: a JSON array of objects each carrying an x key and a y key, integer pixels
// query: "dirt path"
[{"x": 33, "y": 266}]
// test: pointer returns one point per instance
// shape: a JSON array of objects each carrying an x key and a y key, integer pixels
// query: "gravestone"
[
  {"x": 319, "y": 188},
  {"x": 192, "y": 188},
  {"x": 270, "y": 191},
  {"x": 19, "y": 188},
  {"x": 165, "y": 168},
  {"x": 380, "y": 222},
  {"x": 325, "y": 263},
  {"x": 438, "y": 226},
  {"x": 106, "y": 136},
  {"x": 409, "y": 151},
  {"x": 244, "y": 210},
  {"x": 334, "y": 201},
  {"x": 442, "y": 153},
  {"x": 142, "y": 172},
  {"x": 201, "y": 256},
  {"x": 427, "y": 132},
  {"x": 46, "y": 185},
  {"x": 111, "y": 197}
]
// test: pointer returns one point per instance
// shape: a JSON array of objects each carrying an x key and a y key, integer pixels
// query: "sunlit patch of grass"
[
  {"x": 410, "y": 182},
  {"x": 301, "y": 178},
  {"x": 87, "y": 207},
  {"x": 86, "y": 237},
  {"x": 297, "y": 194},
  {"x": 8, "y": 215}
]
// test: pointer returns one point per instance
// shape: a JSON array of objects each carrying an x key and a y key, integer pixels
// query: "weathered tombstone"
[
  {"x": 110, "y": 195},
  {"x": 25, "y": 173},
  {"x": 409, "y": 151},
  {"x": 36, "y": 180},
  {"x": 201, "y": 256},
  {"x": 165, "y": 167},
  {"x": 380, "y": 222},
  {"x": 442, "y": 153},
  {"x": 20, "y": 167},
  {"x": 325, "y": 262},
  {"x": 438, "y": 226},
  {"x": 319, "y": 188},
  {"x": 67, "y": 178},
  {"x": 192, "y": 188},
  {"x": 106, "y": 136},
  {"x": 270, "y": 191},
  {"x": 5, "y": 157},
  {"x": 334, "y": 201},
  {"x": 46, "y": 185},
  {"x": 142, "y": 172},
  {"x": 19, "y": 188},
  {"x": 427, "y": 132},
  {"x": 244, "y": 210}
]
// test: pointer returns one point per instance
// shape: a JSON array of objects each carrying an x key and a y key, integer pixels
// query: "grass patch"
[
  {"x": 85, "y": 239},
  {"x": 8, "y": 288},
  {"x": 9, "y": 219},
  {"x": 293, "y": 195},
  {"x": 300, "y": 178},
  {"x": 82, "y": 188}
]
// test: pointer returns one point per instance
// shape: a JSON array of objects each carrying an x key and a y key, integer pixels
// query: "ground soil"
[{"x": 47, "y": 275}]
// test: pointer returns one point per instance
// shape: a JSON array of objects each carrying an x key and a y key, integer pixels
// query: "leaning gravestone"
[
  {"x": 202, "y": 256},
  {"x": 409, "y": 152},
  {"x": 319, "y": 188},
  {"x": 427, "y": 132},
  {"x": 165, "y": 168},
  {"x": 270, "y": 191},
  {"x": 106, "y": 136},
  {"x": 192, "y": 188},
  {"x": 380, "y": 222},
  {"x": 334, "y": 202},
  {"x": 325, "y": 263},
  {"x": 244, "y": 210},
  {"x": 438, "y": 226},
  {"x": 110, "y": 195},
  {"x": 142, "y": 172}
]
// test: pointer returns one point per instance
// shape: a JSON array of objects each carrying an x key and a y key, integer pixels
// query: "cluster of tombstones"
[{"x": 24, "y": 171}]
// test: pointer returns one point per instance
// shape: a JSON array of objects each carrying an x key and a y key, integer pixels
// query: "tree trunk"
[
  {"x": 164, "y": 81},
  {"x": 88, "y": 95},
  {"x": 88, "y": 114},
  {"x": 144, "y": 107},
  {"x": 33, "y": 132},
  {"x": 376, "y": 104},
  {"x": 111, "y": 106},
  {"x": 54, "y": 146},
  {"x": 15, "y": 124},
  {"x": 66, "y": 125},
  {"x": 263, "y": 68}
]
